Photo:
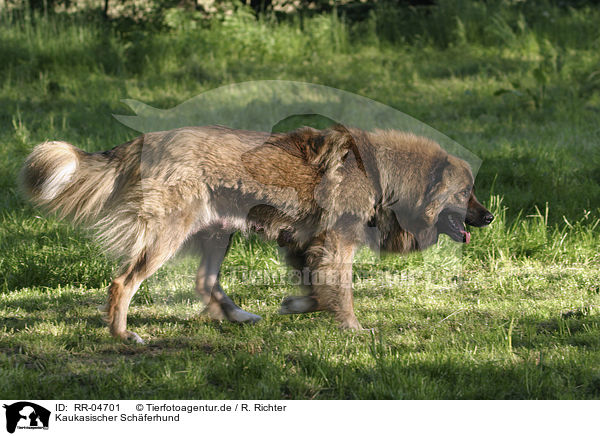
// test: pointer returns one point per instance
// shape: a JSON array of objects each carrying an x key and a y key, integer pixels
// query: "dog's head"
[
  {"x": 452, "y": 218},
  {"x": 452, "y": 202},
  {"x": 429, "y": 192}
]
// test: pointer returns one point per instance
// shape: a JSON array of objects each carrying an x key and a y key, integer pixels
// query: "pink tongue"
[{"x": 467, "y": 236}]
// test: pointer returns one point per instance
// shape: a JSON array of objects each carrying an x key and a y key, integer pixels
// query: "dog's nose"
[{"x": 488, "y": 218}]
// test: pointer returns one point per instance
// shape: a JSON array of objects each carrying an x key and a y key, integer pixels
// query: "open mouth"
[{"x": 452, "y": 224}]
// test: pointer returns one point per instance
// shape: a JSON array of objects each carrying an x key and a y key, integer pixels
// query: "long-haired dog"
[{"x": 320, "y": 193}]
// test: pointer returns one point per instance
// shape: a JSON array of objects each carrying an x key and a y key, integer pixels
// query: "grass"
[{"x": 516, "y": 316}]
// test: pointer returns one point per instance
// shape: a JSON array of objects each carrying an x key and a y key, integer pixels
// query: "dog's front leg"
[{"x": 329, "y": 260}]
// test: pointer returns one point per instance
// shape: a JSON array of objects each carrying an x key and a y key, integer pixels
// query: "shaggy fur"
[{"x": 321, "y": 194}]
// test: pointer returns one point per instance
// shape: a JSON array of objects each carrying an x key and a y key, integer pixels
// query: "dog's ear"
[
  {"x": 323, "y": 149},
  {"x": 436, "y": 191}
]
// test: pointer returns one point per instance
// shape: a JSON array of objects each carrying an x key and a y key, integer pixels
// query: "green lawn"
[{"x": 516, "y": 316}]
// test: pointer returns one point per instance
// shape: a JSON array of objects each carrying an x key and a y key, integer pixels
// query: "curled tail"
[
  {"x": 100, "y": 190},
  {"x": 68, "y": 181}
]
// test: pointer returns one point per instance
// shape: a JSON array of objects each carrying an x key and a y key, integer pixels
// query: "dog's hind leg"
[
  {"x": 120, "y": 293},
  {"x": 122, "y": 290},
  {"x": 218, "y": 305},
  {"x": 124, "y": 287}
]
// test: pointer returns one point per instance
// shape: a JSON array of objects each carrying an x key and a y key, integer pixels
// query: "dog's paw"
[
  {"x": 130, "y": 337},
  {"x": 213, "y": 311},
  {"x": 242, "y": 316},
  {"x": 298, "y": 304},
  {"x": 134, "y": 337},
  {"x": 351, "y": 324}
]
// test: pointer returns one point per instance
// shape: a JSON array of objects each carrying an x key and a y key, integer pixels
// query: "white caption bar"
[{"x": 283, "y": 418}]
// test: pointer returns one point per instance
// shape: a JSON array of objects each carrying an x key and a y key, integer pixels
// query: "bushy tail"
[{"x": 68, "y": 181}]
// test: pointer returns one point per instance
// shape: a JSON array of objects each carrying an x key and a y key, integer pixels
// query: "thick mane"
[{"x": 325, "y": 149}]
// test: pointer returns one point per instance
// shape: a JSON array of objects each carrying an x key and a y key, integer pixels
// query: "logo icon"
[{"x": 26, "y": 415}]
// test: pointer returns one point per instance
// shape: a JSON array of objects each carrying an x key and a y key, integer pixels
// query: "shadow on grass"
[
  {"x": 187, "y": 368},
  {"x": 222, "y": 360}
]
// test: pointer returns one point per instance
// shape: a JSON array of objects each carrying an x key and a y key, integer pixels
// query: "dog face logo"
[{"x": 26, "y": 415}]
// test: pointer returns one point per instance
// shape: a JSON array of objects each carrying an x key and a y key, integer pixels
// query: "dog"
[{"x": 321, "y": 194}]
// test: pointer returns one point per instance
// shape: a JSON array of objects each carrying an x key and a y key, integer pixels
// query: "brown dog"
[{"x": 319, "y": 193}]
